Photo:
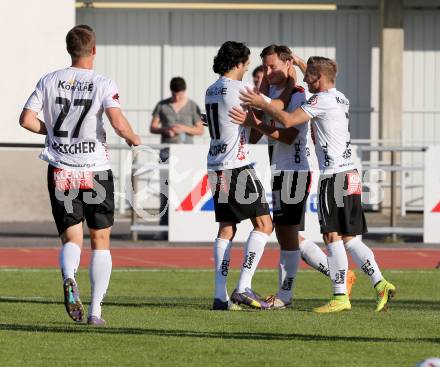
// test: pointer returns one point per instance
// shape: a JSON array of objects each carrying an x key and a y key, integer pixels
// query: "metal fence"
[
  {"x": 135, "y": 172},
  {"x": 380, "y": 158}
]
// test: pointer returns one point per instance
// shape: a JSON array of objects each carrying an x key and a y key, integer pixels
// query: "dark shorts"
[
  {"x": 290, "y": 190},
  {"x": 238, "y": 195},
  {"x": 340, "y": 204},
  {"x": 76, "y": 196}
]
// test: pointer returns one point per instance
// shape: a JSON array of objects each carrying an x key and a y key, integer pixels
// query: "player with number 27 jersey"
[
  {"x": 73, "y": 101},
  {"x": 79, "y": 178}
]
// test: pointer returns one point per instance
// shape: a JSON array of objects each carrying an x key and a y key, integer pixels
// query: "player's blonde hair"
[
  {"x": 323, "y": 65},
  {"x": 80, "y": 41}
]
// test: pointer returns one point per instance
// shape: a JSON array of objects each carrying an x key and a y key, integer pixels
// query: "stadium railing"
[
  {"x": 393, "y": 165},
  {"x": 372, "y": 158}
]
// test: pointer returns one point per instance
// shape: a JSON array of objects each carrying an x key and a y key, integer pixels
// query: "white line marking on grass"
[
  {"x": 167, "y": 270},
  {"x": 28, "y": 270},
  {"x": 131, "y": 270},
  {"x": 135, "y": 270},
  {"x": 401, "y": 271},
  {"x": 14, "y": 298}
]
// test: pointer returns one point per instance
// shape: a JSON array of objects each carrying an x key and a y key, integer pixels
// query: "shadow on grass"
[
  {"x": 200, "y": 303},
  {"x": 395, "y": 304},
  {"x": 211, "y": 334},
  {"x": 135, "y": 302}
]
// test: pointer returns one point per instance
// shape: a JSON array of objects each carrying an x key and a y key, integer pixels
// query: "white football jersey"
[
  {"x": 294, "y": 157},
  {"x": 229, "y": 141},
  {"x": 73, "y": 101},
  {"x": 330, "y": 118}
]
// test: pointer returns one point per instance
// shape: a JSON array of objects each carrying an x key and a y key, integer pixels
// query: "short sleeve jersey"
[
  {"x": 229, "y": 141},
  {"x": 73, "y": 101},
  {"x": 294, "y": 157},
  {"x": 188, "y": 115},
  {"x": 330, "y": 120}
]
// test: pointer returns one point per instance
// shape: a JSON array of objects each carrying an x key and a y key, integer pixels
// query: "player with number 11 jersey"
[
  {"x": 229, "y": 141},
  {"x": 238, "y": 194}
]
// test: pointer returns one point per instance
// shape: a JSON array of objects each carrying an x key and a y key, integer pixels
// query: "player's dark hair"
[
  {"x": 283, "y": 52},
  {"x": 258, "y": 69},
  {"x": 177, "y": 84},
  {"x": 230, "y": 55},
  {"x": 323, "y": 65},
  {"x": 80, "y": 41}
]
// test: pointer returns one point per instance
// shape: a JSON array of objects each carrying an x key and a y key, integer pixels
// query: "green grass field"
[{"x": 163, "y": 318}]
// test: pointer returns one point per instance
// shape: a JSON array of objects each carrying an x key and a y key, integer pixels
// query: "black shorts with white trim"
[
  {"x": 340, "y": 204},
  {"x": 238, "y": 194},
  {"x": 290, "y": 190},
  {"x": 76, "y": 196}
]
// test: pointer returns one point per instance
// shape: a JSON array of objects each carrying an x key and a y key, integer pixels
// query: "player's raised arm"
[
  {"x": 285, "y": 135},
  {"x": 298, "y": 61},
  {"x": 122, "y": 126},
  {"x": 288, "y": 119},
  {"x": 30, "y": 121},
  {"x": 283, "y": 100}
]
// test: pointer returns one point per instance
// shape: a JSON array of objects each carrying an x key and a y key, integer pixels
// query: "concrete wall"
[
  {"x": 32, "y": 37},
  {"x": 23, "y": 191}
]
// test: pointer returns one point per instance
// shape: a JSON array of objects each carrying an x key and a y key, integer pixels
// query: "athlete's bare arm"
[
  {"x": 288, "y": 119},
  {"x": 122, "y": 126},
  {"x": 255, "y": 136},
  {"x": 30, "y": 121},
  {"x": 284, "y": 135},
  {"x": 284, "y": 99},
  {"x": 281, "y": 102},
  {"x": 296, "y": 60},
  {"x": 291, "y": 72}
]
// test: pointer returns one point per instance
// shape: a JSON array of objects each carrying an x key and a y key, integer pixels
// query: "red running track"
[{"x": 201, "y": 257}]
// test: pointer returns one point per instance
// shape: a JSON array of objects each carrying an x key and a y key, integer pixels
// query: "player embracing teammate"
[
  {"x": 289, "y": 152},
  {"x": 340, "y": 209},
  {"x": 237, "y": 191}
]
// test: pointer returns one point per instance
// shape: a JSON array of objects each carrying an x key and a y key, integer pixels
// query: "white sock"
[
  {"x": 70, "y": 255},
  {"x": 222, "y": 255},
  {"x": 364, "y": 259},
  {"x": 338, "y": 266},
  {"x": 312, "y": 254},
  {"x": 253, "y": 251},
  {"x": 289, "y": 263},
  {"x": 100, "y": 270}
]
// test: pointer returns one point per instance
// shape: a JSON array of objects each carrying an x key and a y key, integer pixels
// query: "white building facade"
[{"x": 143, "y": 48}]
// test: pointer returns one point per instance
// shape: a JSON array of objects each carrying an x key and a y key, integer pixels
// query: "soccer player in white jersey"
[
  {"x": 289, "y": 151},
  {"x": 340, "y": 208},
  {"x": 238, "y": 194},
  {"x": 79, "y": 179}
]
